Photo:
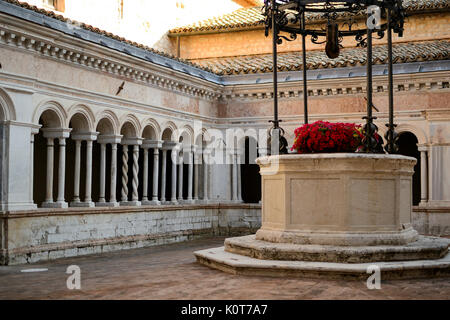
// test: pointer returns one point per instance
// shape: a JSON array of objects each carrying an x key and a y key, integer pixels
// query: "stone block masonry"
[{"x": 39, "y": 235}]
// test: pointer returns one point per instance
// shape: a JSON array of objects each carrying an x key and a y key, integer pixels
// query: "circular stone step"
[
  {"x": 218, "y": 258},
  {"x": 425, "y": 248}
]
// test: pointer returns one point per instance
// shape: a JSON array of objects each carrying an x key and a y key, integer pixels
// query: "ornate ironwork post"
[
  {"x": 305, "y": 87},
  {"x": 275, "y": 67},
  {"x": 391, "y": 135}
]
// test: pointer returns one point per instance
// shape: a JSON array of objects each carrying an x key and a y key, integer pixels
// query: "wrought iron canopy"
[{"x": 344, "y": 18}]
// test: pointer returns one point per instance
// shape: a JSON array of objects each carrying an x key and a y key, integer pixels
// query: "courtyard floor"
[{"x": 171, "y": 272}]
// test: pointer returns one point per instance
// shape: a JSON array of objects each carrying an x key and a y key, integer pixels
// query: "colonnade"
[{"x": 153, "y": 178}]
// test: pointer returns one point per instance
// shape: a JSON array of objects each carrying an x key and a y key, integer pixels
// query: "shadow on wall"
[
  {"x": 407, "y": 143},
  {"x": 250, "y": 177}
]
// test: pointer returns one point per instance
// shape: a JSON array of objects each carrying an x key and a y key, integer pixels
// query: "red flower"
[{"x": 322, "y": 136}]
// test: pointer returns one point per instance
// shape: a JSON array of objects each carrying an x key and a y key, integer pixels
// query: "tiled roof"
[
  {"x": 252, "y": 17},
  {"x": 403, "y": 52},
  {"x": 241, "y": 18},
  {"x": 85, "y": 26}
]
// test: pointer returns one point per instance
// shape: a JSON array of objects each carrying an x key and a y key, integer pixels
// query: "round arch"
[
  {"x": 131, "y": 126},
  {"x": 54, "y": 114},
  {"x": 187, "y": 133},
  {"x": 417, "y": 131},
  {"x": 110, "y": 117},
  {"x": 7, "y": 111},
  {"x": 168, "y": 134},
  {"x": 84, "y": 116},
  {"x": 151, "y": 130}
]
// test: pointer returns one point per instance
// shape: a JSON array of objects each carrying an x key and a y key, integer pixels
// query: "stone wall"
[
  {"x": 49, "y": 234},
  {"x": 251, "y": 42},
  {"x": 431, "y": 221}
]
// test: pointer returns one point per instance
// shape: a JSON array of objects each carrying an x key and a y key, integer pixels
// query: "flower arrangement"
[{"x": 322, "y": 136}]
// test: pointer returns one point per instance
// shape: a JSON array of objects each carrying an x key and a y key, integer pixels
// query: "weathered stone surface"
[
  {"x": 55, "y": 233},
  {"x": 337, "y": 199},
  {"x": 422, "y": 249},
  {"x": 219, "y": 259}
]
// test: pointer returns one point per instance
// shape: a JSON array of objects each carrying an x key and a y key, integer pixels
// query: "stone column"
[
  {"x": 163, "y": 175},
  {"x": 180, "y": 176},
  {"x": 145, "y": 178},
  {"x": 61, "y": 174},
  {"x": 155, "y": 145},
  {"x": 155, "y": 175},
  {"x": 112, "y": 198},
  {"x": 239, "y": 179},
  {"x": 234, "y": 197},
  {"x": 124, "y": 193},
  {"x": 51, "y": 134},
  {"x": 104, "y": 140},
  {"x": 196, "y": 167},
  {"x": 190, "y": 175},
  {"x": 76, "y": 177},
  {"x": 205, "y": 177},
  {"x": 49, "y": 182},
  {"x": 423, "y": 175},
  {"x": 135, "y": 142},
  {"x": 78, "y": 137},
  {"x": 174, "y": 157},
  {"x": 88, "y": 194},
  {"x": 102, "y": 173},
  {"x": 135, "y": 182}
]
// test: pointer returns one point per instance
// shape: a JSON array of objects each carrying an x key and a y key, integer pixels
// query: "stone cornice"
[
  {"x": 52, "y": 44},
  {"x": 438, "y": 80}
]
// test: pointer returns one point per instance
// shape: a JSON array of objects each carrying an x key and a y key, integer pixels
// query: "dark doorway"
[
  {"x": 407, "y": 143},
  {"x": 250, "y": 177}
]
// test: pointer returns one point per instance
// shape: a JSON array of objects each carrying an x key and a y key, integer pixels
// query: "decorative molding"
[
  {"x": 438, "y": 80},
  {"x": 132, "y": 71}
]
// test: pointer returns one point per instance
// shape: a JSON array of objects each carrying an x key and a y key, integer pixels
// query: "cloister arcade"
[{"x": 81, "y": 160}]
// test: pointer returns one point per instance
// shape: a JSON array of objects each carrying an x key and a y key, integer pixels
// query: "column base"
[
  {"x": 58, "y": 204},
  {"x": 423, "y": 203},
  {"x": 80, "y": 204},
  {"x": 151, "y": 203},
  {"x": 189, "y": 201},
  {"x": 106, "y": 204},
  {"x": 130, "y": 203}
]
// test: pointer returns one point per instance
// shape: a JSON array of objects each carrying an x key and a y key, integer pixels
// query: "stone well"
[
  {"x": 334, "y": 215},
  {"x": 337, "y": 199}
]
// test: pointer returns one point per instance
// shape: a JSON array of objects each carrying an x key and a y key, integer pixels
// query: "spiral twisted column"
[
  {"x": 135, "y": 182},
  {"x": 125, "y": 174}
]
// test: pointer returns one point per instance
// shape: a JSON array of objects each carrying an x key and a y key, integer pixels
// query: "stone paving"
[{"x": 171, "y": 272}]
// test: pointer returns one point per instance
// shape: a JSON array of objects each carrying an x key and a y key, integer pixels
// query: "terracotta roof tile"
[
  {"x": 403, "y": 52},
  {"x": 252, "y": 17}
]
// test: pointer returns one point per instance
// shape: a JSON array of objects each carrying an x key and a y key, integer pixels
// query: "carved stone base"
[
  {"x": 423, "y": 249},
  {"x": 218, "y": 258}
]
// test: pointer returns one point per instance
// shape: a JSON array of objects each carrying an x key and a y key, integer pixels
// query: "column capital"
[
  {"x": 85, "y": 136},
  {"x": 134, "y": 141},
  {"x": 56, "y": 133},
  {"x": 196, "y": 149},
  {"x": 422, "y": 147},
  {"x": 152, "y": 144},
  {"x": 169, "y": 145},
  {"x": 109, "y": 138}
]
